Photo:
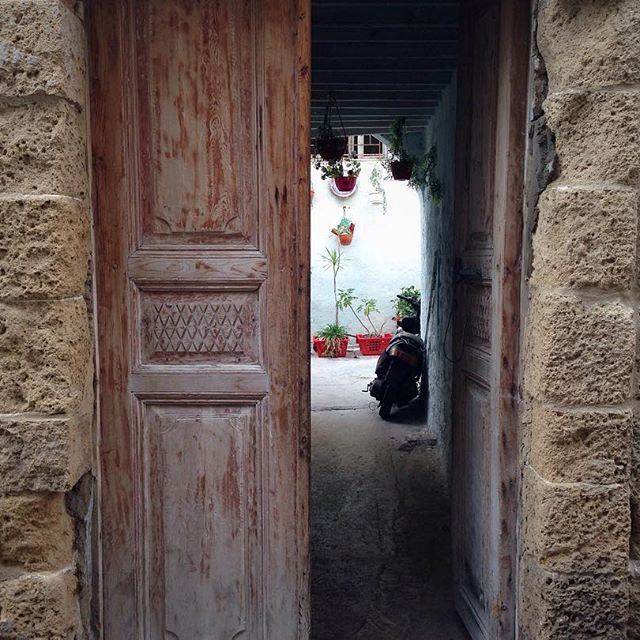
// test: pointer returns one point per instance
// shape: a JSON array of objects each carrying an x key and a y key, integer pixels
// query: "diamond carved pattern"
[
  {"x": 478, "y": 327},
  {"x": 200, "y": 327},
  {"x": 196, "y": 327}
]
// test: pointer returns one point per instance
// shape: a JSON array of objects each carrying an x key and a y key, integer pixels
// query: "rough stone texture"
[
  {"x": 634, "y": 487},
  {"x": 39, "y": 607},
  {"x": 586, "y": 237},
  {"x": 42, "y": 50},
  {"x": 572, "y": 606},
  {"x": 44, "y": 356},
  {"x": 576, "y": 527},
  {"x": 590, "y": 43},
  {"x": 43, "y": 247},
  {"x": 633, "y": 626},
  {"x": 581, "y": 446},
  {"x": 580, "y": 345},
  {"x": 43, "y": 454},
  {"x": 579, "y": 353},
  {"x": 36, "y": 533},
  {"x": 597, "y": 136},
  {"x": 42, "y": 148}
]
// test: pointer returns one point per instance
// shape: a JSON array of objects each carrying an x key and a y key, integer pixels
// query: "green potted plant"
[
  {"x": 373, "y": 341},
  {"x": 420, "y": 171},
  {"x": 332, "y": 340},
  {"x": 401, "y": 308},
  {"x": 399, "y": 162},
  {"x": 378, "y": 195},
  {"x": 344, "y": 229},
  {"x": 424, "y": 175},
  {"x": 343, "y": 172}
]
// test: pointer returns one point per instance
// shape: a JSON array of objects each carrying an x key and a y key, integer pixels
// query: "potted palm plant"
[
  {"x": 332, "y": 340},
  {"x": 373, "y": 341}
]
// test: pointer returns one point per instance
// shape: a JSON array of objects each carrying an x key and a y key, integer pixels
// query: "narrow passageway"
[{"x": 380, "y": 529}]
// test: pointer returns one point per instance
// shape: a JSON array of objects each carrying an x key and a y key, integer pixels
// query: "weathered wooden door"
[
  {"x": 489, "y": 168},
  {"x": 200, "y": 160}
]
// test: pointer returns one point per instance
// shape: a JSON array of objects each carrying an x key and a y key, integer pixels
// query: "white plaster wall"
[
  {"x": 438, "y": 276},
  {"x": 384, "y": 256}
]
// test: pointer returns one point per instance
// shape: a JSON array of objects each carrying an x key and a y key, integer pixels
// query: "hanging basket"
[
  {"x": 331, "y": 149},
  {"x": 345, "y": 239},
  {"x": 401, "y": 169}
]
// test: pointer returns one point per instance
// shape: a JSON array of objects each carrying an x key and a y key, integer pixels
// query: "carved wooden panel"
[
  {"x": 481, "y": 147},
  {"x": 200, "y": 327},
  {"x": 198, "y": 118},
  {"x": 490, "y": 121},
  {"x": 200, "y": 161},
  {"x": 478, "y": 321},
  {"x": 477, "y": 544},
  {"x": 203, "y": 508}
]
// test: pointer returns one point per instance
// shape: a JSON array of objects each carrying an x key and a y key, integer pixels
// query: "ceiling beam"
[
  {"x": 392, "y": 111},
  {"x": 341, "y": 64},
  {"x": 359, "y": 94},
  {"x": 389, "y": 16},
  {"x": 379, "y": 79},
  {"x": 383, "y": 34},
  {"x": 372, "y": 106},
  {"x": 401, "y": 49}
]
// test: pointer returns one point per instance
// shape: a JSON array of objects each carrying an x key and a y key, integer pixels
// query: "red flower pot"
[
  {"x": 320, "y": 345},
  {"x": 345, "y": 183},
  {"x": 345, "y": 239},
  {"x": 401, "y": 169},
  {"x": 331, "y": 149},
  {"x": 373, "y": 345}
]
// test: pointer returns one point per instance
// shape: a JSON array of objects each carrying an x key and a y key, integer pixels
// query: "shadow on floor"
[{"x": 380, "y": 530}]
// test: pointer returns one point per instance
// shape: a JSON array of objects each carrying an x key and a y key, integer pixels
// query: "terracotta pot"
[
  {"x": 320, "y": 344},
  {"x": 331, "y": 149},
  {"x": 345, "y": 183},
  {"x": 401, "y": 169},
  {"x": 345, "y": 238}
]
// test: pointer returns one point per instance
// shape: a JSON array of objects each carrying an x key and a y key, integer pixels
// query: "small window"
[{"x": 366, "y": 146}]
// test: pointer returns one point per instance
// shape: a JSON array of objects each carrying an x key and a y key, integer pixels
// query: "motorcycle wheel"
[{"x": 390, "y": 394}]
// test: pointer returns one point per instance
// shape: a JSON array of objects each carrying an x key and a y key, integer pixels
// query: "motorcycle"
[{"x": 399, "y": 368}]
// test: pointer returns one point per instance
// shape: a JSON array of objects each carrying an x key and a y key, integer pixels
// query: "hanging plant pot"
[
  {"x": 401, "y": 169},
  {"x": 345, "y": 184},
  {"x": 331, "y": 149},
  {"x": 345, "y": 238}
]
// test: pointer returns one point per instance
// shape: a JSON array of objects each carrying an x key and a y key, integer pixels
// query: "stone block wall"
[
  {"x": 46, "y": 374},
  {"x": 581, "y": 483}
]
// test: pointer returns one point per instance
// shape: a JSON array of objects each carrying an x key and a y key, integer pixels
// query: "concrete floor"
[{"x": 379, "y": 517}]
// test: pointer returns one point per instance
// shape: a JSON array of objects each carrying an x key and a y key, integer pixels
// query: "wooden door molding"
[
  {"x": 488, "y": 212},
  {"x": 200, "y": 148}
]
